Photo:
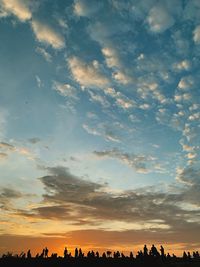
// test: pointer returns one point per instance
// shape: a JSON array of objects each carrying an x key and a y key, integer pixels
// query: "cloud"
[
  {"x": 19, "y": 8},
  {"x": 46, "y": 34},
  {"x": 99, "y": 99},
  {"x": 111, "y": 57},
  {"x": 194, "y": 106},
  {"x": 6, "y": 146},
  {"x": 3, "y": 122},
  {"x": 121, "y": 77},
  {"x": 102, "y": 130},
  {"x": 196, "y": 35},
  {"x": 183, "y": 65},
  {"x": 90, "y": 130},
  {"x": 145, "y": 106},
  {"x": 148, "y": 89},
  {"x": 194, "y": 117},
  {"x": 66, "y": 90},
  {"x": 38, "y": 80},
  {"x": 163, "y": 116},
  {"x": 189, "y": 175},
  {"x": 192, "y": 11},
  {"x": 7, "y": 195},
  {"x": 8, "y": 149},
  {"x": 61, "y": 180},
  {"x": 44, "y": 53},
  {"x": 86, "y": 8},
  {"x": 137, "y": 162},
  {"x": 89, "y": 204},
  {"x": 182, "y": 44},
  {"x": 3, "y": 155},
  {"x": 186, "y": 83},
  {"x": 87, "y": 74},
  {"x": 159, "y": 19},
  {"x": 120, "y": 99},
  {"x": 191, "y": 132},
  {"x": 34, "y": 140}
]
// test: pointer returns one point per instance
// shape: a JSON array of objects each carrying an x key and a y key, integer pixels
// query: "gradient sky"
[{"x": 99, "y": 124}]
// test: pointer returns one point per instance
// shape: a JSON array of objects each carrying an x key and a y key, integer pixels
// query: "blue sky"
[{"x": 100, "y": 101}]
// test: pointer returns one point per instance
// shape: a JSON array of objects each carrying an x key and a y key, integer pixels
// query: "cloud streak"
[{"x": 137, "y": 162}]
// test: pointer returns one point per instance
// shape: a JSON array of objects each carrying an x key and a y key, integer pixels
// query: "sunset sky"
[{"x": 99, "y": 124}]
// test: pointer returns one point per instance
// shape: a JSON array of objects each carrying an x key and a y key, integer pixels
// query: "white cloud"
[
  {"x": 99, "y": 98},
  {"x": 187, "y": 148},
  {"x": 109, "y": 136},
  {"x": 111, "y": 92},
  {"x": 139, "y": 9},
  {"x": 46, "y": 34},
  {"x": 89, "y": 75},
  {"x": 44, "y": 53},
  {"x": 121, "y": 77},
  {"x": 145, "y": 106},
  {"x": 19, "y": 8},
  {"x": 65, "y": 89},
  {"x": 182, "y": 97},
  {"x": 38, "y": 80},
  {"x": 190, "y": 132},
  {"x": 91, "y": 130},
  {"x": 163, "y": 116},
  {"x": 159, "y": 19},
  {"x": 186, "y": 83},
  {"x": 124, "y": 103},
  {"x": 191, "y": 155},
  {"x": 196, "y": 35},
  {"x": 63, "y": 23},
  {"x": 103, "y": 131},
  {"x": 121, "y": 100},
  {"x": 111, "y": 56},
  {"x": 194, "y": 106},
  {"x": 194, "y": 117},
  {"x": 183, "y": 65}
]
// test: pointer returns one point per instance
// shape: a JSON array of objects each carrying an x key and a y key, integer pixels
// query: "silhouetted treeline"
[{"x": 146, "y": 257}]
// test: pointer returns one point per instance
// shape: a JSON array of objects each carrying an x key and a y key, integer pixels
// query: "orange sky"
[{"x": 17, "y": 244}]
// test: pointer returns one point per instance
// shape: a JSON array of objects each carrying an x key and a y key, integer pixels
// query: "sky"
[{"x": 99, "y": 124}]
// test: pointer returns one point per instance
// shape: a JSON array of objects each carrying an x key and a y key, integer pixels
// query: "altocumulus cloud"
[
  {"x": 87, "y": 74},
  {"x": 20, "y": 8},
  {"x": 46, "y": 34}
]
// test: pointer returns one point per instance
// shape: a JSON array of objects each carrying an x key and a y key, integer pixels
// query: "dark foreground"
[{"x": 100, "y": 262}]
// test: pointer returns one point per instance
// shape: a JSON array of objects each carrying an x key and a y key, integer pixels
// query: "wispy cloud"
[
  {"x": 66, "y": 90},
  {"x": 44, "y": 53},
  {"x": 102, "y": 130},
  {"x": 137, "y": 162},
  {"x": 46, "y": 34}
]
